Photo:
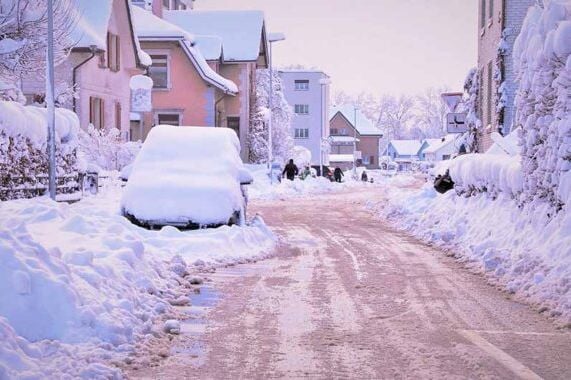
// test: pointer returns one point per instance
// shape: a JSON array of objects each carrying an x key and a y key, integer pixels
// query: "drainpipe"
[
  {"x": 93, "y": 49},
  {"x": 216, "y": 116}
]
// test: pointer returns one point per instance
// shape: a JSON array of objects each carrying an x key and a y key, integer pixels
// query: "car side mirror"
[{"x": 245, "y": 177}]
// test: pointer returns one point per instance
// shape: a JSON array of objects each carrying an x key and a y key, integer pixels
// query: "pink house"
[
  {"x": 186, "y": 90},
  {"x": 99, "y": 66},
  {"x": 235, "y": 45}
]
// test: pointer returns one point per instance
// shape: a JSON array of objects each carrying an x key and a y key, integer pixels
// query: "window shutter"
[
  {"x": 102, "y": 113},
  {"x": 91, "y": 110},
  {"x": 118, "y": 53},
  {"x": 109, "y": 47}
]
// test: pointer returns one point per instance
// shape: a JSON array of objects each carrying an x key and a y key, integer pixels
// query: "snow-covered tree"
[
  {"x": 282, "y": 139},
  {"x": 23, "y": 39},
  {"x": 430, "y": 114},
  {"x": 542, "y": 59},
  {"x": 470, "y": 106}
]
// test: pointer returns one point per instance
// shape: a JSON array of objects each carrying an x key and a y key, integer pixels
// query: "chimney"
[{"x": 157, "y": 8}]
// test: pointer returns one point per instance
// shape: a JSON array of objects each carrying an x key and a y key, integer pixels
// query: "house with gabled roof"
[
  {"x": 348, "y": 128},
  {"x": 99, "y": 66},
  {"x": 236, "y": 46},
  {"x": 405, "y": 152},
  {"x": 186, "y": 89},
  {"x": 440, "y": 149}
]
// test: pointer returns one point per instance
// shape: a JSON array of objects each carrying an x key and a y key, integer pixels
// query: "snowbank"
[
  {"x": 80, "y": 284},
  {"x": 188, "y": 174},
  {"x": 519, "y": 248},
  {"x": 263, "y": 189}
]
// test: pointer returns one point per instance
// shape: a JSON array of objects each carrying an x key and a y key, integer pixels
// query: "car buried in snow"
[{"x": 189, "y": 178}]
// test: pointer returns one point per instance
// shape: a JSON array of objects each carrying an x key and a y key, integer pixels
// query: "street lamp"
[
  {"x": 272, "y": 37},
  {"x": 324, "y": 112}
]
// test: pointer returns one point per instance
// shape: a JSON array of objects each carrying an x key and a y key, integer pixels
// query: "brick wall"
[{"x": 504, "y": 15}]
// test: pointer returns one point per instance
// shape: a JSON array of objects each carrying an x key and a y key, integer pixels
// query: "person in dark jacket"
[
  {"x": 290, "y": 171},
  {"x": 338, "y": 173},
  {"x": 364, "y": 176}
]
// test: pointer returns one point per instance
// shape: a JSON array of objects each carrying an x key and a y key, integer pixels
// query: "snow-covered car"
[{"x": 187, "y": 177}]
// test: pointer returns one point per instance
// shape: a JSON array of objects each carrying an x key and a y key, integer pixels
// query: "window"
[
  {"x": 166, "y": 4},
  {"x": 301, "y": 85},
  {"x": 334, "y": 131},
  {"x": 168, "y": 118},
  {"x": 118, "y": 115},
  {"x": 491, "y": 8},
  {"x": 445, "y": 157},
  {"x": 483, "y": 14},
  {"x": 372, "y": 158},
  {"x": 302, "y": 109},
  {"x": 343, "y": 131},
  {"x": 96, "y": 112},
  {"x": 113, "y": 52},
  {"x": 489, "y": 94},
  {"x": 159, "y": 71},
  {"x": 233, "y": 123},
  {"x": 301, "y": 133}
]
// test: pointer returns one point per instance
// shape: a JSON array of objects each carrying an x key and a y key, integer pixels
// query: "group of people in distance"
[{"x": 291, "y": 171}]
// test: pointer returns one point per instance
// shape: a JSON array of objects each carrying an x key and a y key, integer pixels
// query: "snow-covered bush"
[
  {"x": 23, "y": 151},
  {"x": 282, "y": 114},
  {"x": 542, "y": 59},
  {"x": 104, "y": 148}
]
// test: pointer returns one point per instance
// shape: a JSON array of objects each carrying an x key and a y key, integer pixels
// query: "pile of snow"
[
  {"x": 188, "y": 174},
  {"x": 81, "y": 285},
  {"x": 263, "y": 189},
  {"x": 520, "y": 248},
  {"x": 542, "y": 60}
]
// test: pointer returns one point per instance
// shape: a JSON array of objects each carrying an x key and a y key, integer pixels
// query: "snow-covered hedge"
[
  {"x": 543, "y": 63},
  {"x": 489, "y": 173},
  {"x": 23, "y": 150}
]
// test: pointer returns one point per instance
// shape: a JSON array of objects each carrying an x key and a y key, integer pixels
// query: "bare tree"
[
  {"x": 430, "y": 114},
  {"x": 23, "y": 37},
  {"x": 395, "y": 116}
]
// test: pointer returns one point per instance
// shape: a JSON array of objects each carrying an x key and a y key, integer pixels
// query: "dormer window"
[{"x": 113, "y": 52}]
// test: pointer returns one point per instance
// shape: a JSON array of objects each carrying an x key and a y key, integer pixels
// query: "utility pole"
[
  {"x": 50, "y": 103},
  {"x": 355, "y": 142}
]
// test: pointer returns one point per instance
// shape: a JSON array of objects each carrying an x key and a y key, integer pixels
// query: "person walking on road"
[
  {"x": 290, "y": 170},
  {"x": 364, "y": 176},
  {"x": 338, "y": 173}
]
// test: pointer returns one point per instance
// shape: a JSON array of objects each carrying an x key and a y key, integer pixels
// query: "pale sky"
[{"x": 378, "y": 46}]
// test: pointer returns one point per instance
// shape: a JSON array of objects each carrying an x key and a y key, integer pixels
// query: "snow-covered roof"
[
  {"x": 364, "y": 126},
  {"x": 406, "y": 147},
  {"x": 147, "y": 25},
  {"x": 93, "y": 23},
  {"x": 151, "y": 28},
  {"x": 342, "y": 139},
  {"x": 341, "y": 158},
  {"x": 210, "y": 46},
  {"x": 241, "y": 31},
  {"x": 435, "y": 146}
]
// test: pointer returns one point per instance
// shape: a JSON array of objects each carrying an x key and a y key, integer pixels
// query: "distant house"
[
  {"x": 405, "y": 152},
  {"x": 235, "y": 45},
  {"x": 499, "y": 23},
  {"x": 186, "y": 90},
  {"x": 100, "y": 65},
  {"x": 307, "y": 92},
  {"x": 351, "y": 128},
  {"x": 440, "y": 149}
]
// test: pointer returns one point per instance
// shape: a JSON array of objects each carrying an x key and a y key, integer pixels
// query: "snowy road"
[{"x": 348, "y": 297}]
